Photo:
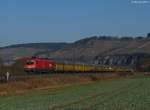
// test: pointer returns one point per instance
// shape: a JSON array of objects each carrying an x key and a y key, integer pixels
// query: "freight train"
[{"x": 42, "y": 65}]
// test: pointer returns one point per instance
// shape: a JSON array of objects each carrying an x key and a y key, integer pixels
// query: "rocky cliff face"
[{"x": 130, "y": 60}]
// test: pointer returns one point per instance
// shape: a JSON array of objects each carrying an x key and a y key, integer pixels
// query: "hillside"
[
  {"x": 49, "y": 46},
  {"x": 26, "y": 50},
  {"x": 100, "y": 50},
  {"x": 105, "y": 51}
]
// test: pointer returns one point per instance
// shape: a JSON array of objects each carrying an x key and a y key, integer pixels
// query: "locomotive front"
[
  {"x": 30, "y": 65},
  {"x": 39, "y": 65}
]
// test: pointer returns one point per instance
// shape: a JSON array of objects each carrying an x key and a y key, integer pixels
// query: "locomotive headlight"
[{"x": 50, "y": 65}]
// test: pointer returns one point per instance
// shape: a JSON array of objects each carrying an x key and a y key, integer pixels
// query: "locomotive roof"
[{"x": 37, "y": 58}]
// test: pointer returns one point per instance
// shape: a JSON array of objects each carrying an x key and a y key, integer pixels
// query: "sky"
[{"x": 27, "y": 21}]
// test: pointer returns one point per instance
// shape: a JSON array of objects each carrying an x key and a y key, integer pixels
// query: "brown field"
[{"x": 53, "y": 82}]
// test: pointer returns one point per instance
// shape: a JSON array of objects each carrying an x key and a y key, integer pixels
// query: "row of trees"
[
  {"x": 112, "y": 38},
  {"x": 148, "y": 35}
]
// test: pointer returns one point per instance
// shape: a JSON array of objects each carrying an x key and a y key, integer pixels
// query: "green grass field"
[{"x": 120, "y": 94}]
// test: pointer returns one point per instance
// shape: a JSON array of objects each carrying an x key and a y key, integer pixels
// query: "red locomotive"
[{"x": 39, "y": 64}]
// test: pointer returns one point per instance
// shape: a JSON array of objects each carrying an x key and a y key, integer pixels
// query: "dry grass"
[{"x": 38, "y": 83}]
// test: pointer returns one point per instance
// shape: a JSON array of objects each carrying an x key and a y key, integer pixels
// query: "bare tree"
[
  {"x": 1, "y": 66},
  {"x": 1, "y": 63}
]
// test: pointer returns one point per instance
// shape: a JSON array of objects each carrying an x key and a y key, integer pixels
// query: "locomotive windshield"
[{"x": 30, "y": 62}]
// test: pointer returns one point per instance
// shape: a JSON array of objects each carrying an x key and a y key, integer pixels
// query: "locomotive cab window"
[{"x": 30, "y": 62}]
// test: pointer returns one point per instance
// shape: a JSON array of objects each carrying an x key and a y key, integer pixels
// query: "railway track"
[{"x": 48, "y": 75}]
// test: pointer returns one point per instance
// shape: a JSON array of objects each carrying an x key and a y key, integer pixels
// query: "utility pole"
[{"x": 74, "y": 59}]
